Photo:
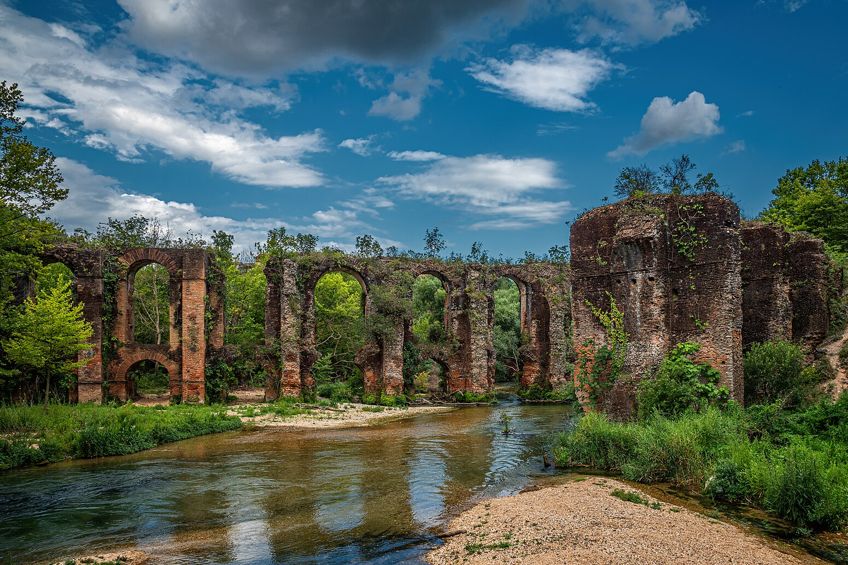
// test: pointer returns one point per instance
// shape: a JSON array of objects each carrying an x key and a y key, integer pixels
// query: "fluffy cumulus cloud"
[
  {"x": 631, "y": 22},
  {"x": 93, "y": 198},
  {"x": 667, "y": 121},
  {"x": 503, "y": 189},
  {"x": 403, "y": 102},
  {"x": 121, "y": 103},
  {"x": 554, "y": 79}
]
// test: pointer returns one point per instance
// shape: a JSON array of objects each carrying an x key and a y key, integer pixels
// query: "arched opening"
[
  {"x": 148, "y": 382},
  {"x": 506, "y": 330},
  {"x": 244, "y": 324},
  {"x": 430, "y": 378},
  {"x": 339, "y": 334},
  {"x": 150, "y": 302},
  {"x": 429, "y": 307}
]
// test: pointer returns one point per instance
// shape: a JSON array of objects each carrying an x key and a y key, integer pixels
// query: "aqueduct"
[{"x": 680, "y": 267}]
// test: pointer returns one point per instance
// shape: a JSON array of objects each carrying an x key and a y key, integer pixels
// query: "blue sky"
[{"x": 496, "y": 120}]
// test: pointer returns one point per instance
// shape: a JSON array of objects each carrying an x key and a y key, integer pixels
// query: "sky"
[{"x": 497, "y": 121}]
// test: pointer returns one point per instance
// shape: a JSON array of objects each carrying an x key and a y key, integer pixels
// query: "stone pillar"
[
  {"x": 193, "y": 336},
  {"x": 290, "y": 331},
  {"x": 90, "y": 376},
  {"x": 392, "y": 369},
  {"x": 809, "y": 276},
  {"x": 766, "y": 304},
  {"x": 272, "y": 358},
  {"x": 480, "y": 370}
]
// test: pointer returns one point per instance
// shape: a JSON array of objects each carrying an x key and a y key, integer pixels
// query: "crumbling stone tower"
[{"x": 673, "y": 265}]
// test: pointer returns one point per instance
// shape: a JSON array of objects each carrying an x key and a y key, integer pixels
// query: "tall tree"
[
  {"x": 48, "y": 335},
  {"x": 636, "y": 181},
  {"x": 814, "y": 199},
  {"x": 434, "y": 242}
]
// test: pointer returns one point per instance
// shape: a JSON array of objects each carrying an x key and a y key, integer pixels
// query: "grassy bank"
[
  {"x": 33, "y": 435},
  {"x": 792, "y": 464}
]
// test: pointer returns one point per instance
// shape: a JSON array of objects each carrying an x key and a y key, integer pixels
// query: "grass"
[
  {"x": 629, "y": 496},
  {"x": 35, "y": 435},
  {"x": 794, "y": 465}
]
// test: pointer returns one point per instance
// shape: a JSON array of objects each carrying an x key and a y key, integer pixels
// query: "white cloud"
[
  {"x": 403, "y": 102},
  {"x": 631, "y": 22},
  {"x": 554, "y": 79},
  {"x": 488, "y": 185},
  {"x": 92, "y": 198},
  {"x": 361, "y": 145},
  {"x": 737, "y": 146},
  {"x": 667, "y": 121},
  {"x": 417, "y": 155},
  {"x": 118, "y": 102}
]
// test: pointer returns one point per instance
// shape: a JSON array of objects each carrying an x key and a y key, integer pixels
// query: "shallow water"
[{"x": 372, "y": 495}]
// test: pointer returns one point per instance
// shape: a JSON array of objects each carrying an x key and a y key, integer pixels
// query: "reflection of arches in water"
[
  {"x": 426, "y": 478},
  {"x": 338, "y": 498}
]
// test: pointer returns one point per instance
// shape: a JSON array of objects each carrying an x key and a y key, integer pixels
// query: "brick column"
[
  {"x": 194, "y": 326},
  {"x": 290, "y": 331},
  {"x": 90, "y": 376},
  {"x": 393, "y": 361},
  {"x": 481, "y": 361}
]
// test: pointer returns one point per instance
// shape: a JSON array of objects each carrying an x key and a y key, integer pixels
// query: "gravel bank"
[
  {"x": 582, "y": 522},
  {"x": 350, "y": 415}
]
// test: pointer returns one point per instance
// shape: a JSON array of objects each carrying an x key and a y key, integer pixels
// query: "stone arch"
[
  {"x": 118, "y": 387},
  {"x": 130, "y": 263},
  {"x": 134, "y": 259}
]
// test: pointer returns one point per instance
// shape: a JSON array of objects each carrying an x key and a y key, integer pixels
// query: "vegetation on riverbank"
[
  {"x": 34, "y": 435},
  {"x": 787, "y": 455}
]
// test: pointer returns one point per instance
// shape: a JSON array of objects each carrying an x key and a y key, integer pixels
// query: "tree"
[
  {"x": 434, "y": 242},
  {"x": 478, "y": 254},
  {"x": 368, "y": 246},
  {"x": 636, "y": 181},
  {"x": 428, "y": 307},
  {"x": 559, "y": 254},
  {"x": 279, "y": 242},
  {"x": 814, "y": 199},
  {"x": 30, "y": 181},
  {"x": 49, "y": 335},
  {"x": 674, "y": 176},
  {"x": 151, "y": 304},
  {"x": 339, "y": 323},
  {"x": 507, "y": 330}
]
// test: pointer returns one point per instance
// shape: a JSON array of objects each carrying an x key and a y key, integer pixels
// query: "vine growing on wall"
[
  {"x": 599, "y": 367},
  {"x": 685, "y": 235}
]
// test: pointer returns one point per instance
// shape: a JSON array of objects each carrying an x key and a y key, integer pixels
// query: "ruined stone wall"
[
  {"x": 672, "y": 264},
  {"x": 467, "y": 355},
  {"x": 786, "y": 279},
  {"x": 192, "y": 300}
]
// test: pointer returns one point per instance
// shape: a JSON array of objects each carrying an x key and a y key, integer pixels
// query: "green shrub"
[
  {"x": 596, "y": 442},
  {"x": 564, "y": 393},
  {"x": 393, "y": 400},
  {"x": 37, "y": 434},
  {"x": 774, "y": 370},
  {"x": 335, "y": 391},
  {"x": 681, "y": 384}
]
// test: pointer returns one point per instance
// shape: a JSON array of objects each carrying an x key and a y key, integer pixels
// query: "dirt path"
[
  {"x": 583, "y": 522},
  {"x": 831, "y": 351}
]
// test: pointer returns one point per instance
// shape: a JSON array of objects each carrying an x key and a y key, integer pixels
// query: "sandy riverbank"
[
  {"x": 582, "y": 522},
  {"x": 347, "y": 415}
]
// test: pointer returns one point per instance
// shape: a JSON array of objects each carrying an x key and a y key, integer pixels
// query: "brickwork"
[{"x": 467, "y": 356}]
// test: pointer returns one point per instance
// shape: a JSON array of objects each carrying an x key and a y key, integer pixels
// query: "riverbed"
[{"x": 378, "y": 494}]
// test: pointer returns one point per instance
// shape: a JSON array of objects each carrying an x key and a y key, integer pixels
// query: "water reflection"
[{"x": 366, "y": 495}]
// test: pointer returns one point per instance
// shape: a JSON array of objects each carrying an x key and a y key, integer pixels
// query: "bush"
[
  {"x": 681, "y": 385},
  {"x": 564, "y": 393},
  {"x": 36, "y": 434},
  {"x": 598, "y": 443},
  {"x": 774, "y": 371},
  {"x": 336, "y": 392}
]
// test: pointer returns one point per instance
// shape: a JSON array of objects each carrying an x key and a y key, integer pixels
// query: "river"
[{"x": 362, "y": 495}]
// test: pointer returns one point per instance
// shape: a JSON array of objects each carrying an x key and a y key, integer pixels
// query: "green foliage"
[
  {"x": 564, "y": 393},
  {"x": 681, "y": 384},
  {"x": 48, "y": 335},
  {"x": 368, "y": 246},
  {"x": 220, "y": 375},
  {"x": 150, "y": 300},
  {"x": 428, "y": 307},
  {"x": 434, "y": 242},
  {"x": 335, "y": 391},
  {"x": 339, "y": 324},
  {"x": 506, "y": 335},
  {"x": 814, "y": 199},
  {"x": 600, "y": 367},
  {"x": 636, "y": 182},
  {"x": 505, "y": 421},
  {"x": 468, "y": 397},
  {"x": 149, "y": 377},
  {"x": 33, "y": 435},
  {"x": 791, "y": 463},
  {"x": 630, "y": 496},
  {"x": 774, "y": 371}
]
